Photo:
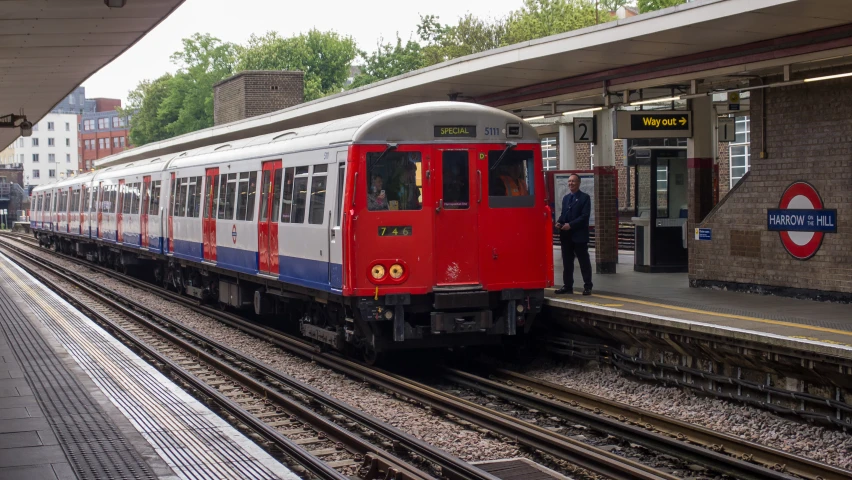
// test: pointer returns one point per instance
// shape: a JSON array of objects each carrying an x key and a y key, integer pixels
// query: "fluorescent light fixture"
[
  {"x": 829, "y": 77},
  {"x": 656, "y": 100},
  {"x": 587, "y": 110},
  {"x": 534, "y": 118}
]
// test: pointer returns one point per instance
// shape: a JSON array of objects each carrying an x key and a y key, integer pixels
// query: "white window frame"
[{"x": 746, "y": 145}]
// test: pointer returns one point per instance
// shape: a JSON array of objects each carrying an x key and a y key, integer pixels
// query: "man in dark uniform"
[{"x": 573, "y": 227}]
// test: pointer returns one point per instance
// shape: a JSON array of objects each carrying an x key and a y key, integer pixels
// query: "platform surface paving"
[
  {"x": 76, "y": 403},
  {"x": 666, "y": 299}
]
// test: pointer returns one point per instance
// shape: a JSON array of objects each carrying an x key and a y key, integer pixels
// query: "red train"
[{"x": 416, "y": 227}]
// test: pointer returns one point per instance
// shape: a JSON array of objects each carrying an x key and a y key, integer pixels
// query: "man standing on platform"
[{"x": 573, "y": 227}]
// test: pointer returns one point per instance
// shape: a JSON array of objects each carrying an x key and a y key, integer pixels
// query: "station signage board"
[
  {"x": 801, "y": 220},
  {"x": 653, "y": 124}
]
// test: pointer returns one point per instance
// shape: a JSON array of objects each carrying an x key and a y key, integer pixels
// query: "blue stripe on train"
[{"x": 295, "y": 270}]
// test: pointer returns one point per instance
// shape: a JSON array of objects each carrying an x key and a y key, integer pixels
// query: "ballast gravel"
[{"x": 825, "y": 445}]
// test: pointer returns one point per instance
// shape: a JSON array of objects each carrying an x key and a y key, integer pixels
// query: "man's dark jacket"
[{"x": 576, "y": 208}]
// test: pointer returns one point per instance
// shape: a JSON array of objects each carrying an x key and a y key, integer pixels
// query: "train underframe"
[{"x": 368, "y": 326}]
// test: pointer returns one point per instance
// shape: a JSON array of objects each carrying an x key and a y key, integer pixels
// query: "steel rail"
[
  {"x": 598, "y": 407},
  {"x": 396, "y": 468},
  {"x": 452, "y": 467},
  {"x": 573, "y": 451}
]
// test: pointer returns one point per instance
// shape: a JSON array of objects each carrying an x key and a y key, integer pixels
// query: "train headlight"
[
  {"x": 378, "y": 272},
  {"x": 388, "y": 314},
  {"x": 396, "y": 271}
]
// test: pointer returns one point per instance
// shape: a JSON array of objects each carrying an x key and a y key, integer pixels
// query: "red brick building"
[{"x": 103, "y": 132}]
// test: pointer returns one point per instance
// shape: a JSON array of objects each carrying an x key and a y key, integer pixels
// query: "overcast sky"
[{"x": 234, "y": 21}]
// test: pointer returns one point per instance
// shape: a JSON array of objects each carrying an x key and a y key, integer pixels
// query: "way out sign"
[{"x": 801, "y": 220}]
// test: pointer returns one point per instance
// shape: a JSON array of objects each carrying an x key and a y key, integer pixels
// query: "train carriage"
[{"x": 416, "y": 227}]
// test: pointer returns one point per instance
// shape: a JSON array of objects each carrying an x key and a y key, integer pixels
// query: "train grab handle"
[
  {"x": 440, "y": 206},
  {"x": 479, "y": 180}
]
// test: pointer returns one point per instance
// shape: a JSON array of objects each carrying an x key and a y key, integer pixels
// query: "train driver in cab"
[
  {"x": 377, "y": 198},
  {"x": 409, "y": 192},
  {"x": 513, "y": 182}
]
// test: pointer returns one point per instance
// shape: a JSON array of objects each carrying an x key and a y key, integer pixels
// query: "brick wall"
[
  {"x": 809, "y": 138},
  {"x": 252, "y": 93}
]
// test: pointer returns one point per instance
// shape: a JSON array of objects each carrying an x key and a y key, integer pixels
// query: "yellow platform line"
[{"x": 724, "y": 315}]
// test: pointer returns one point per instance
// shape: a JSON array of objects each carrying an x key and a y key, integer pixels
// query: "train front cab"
[{"x": 463, "y": 258}]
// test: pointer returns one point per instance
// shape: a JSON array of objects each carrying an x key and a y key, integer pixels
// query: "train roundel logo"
[
  {"x": 234, "y": 234},
  {"x": 801, "y": 220}
]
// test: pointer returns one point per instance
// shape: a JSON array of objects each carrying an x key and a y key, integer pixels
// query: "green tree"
[
  {"x": 389, "y": 61},
  {"x": 612, "y": 5},
  {"x": 181, "y": 103},
  {"x": 470, "y": 35},
  {"x": 651, "y": 5},
  {"x": 325, "y": 58},
  {"x": 541, "y": 18},
  {"x": 143, "y": 107}
]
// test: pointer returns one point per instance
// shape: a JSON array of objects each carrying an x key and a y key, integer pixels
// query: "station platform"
[
  {"x": 665, "y": 299},
  {"x": 76, "y": 403}
]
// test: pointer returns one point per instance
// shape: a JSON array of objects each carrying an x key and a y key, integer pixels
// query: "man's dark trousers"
[{"x": 581, "y": 251}]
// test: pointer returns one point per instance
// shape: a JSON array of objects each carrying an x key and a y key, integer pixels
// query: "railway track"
[
  {"x": 721, "y": 452},
  {"x": 592, "y": 459},
  {"x": 272, "y": 406}
]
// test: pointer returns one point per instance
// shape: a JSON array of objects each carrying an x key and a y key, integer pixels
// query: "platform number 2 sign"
[{"x": 584, "y": 130}]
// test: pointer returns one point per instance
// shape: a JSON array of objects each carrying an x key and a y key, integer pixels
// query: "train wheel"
[{"x": 370, "y": 356}]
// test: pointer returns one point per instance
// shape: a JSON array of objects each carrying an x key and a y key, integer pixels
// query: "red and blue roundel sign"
[
  {"x": 234, "y": 234},
  {"x": 801, "y": 220}
]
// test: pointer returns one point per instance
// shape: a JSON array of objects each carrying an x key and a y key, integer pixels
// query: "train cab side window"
[
  {"x": 300, "y": 195},
  {"x": 180, "y": 198},
  {"x": 276, "y": 193},
  {"x": 126, "y": 201},
  {"x": 394, "y": 181},
  {"x": 154, "y": 209},
  {"x": 287, "y": 199},
  {"x": 510, "y": 179},
  {"x": 245, "y": 196},
  {"x": 319, "y": 181}
]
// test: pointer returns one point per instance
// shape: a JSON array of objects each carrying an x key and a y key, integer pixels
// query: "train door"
[
  {"x": 100, "y": 208},
  {"x": 335, "y": 248},
  {"x": 208, "y": 221},
  {"x": 143, "y": 211},
  {"x": 267, "y": 225},
  {"x": 119, "y": 215},
  {"x": 171, "y": 242},
  {"x": 458, "y": 191}
]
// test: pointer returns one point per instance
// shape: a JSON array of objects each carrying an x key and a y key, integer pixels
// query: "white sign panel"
[
  {"x": 560, "y": 189},
  {"x": 584, "y": 130},
  {"x": 727, "y": 129}
]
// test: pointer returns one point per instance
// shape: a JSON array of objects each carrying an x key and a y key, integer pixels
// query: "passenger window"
[
  {"x": 172, "y": 197},
  {"x": 183, "y": 188},
  {"x": 113, "y": 198},
  {"x": 300, "y": 192},
  {"x": 455, "y": 169},
  {"x": 394, "y": 181},
  {"x": 155, "y": 199},
  {"x": 287, "y": 201},
  {"x": 146, "y": 198},
  {"x": 276, "y": 193},
  {"x": 125, "y": 198},
  {"x": 226, "y": 200},
  {"x": 245, "y": 196},
  {"x": 341, "y": 176},
  {"x": 510, "y": 179},
  {"x": 193, "y": 205},
  {"x": 264, "y": 196},
  {"x": 317, "y": 206},
  {"x": 134, "y": 191}
]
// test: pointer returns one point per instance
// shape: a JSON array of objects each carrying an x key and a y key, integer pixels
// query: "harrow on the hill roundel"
[{"x": 801, "y": 220}]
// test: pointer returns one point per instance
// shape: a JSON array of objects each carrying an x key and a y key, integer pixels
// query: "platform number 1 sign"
[
  {"x": 727, "y": 129},
  {"x": 584, "y": 130}
]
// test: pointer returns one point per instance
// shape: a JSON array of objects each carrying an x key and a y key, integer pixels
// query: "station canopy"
[
  {"x": 49, "y": 47},
  {"x": 718, "y": 44}
]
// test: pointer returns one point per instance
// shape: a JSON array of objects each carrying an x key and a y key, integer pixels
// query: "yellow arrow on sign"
[{"x": 682, "y": 121}]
